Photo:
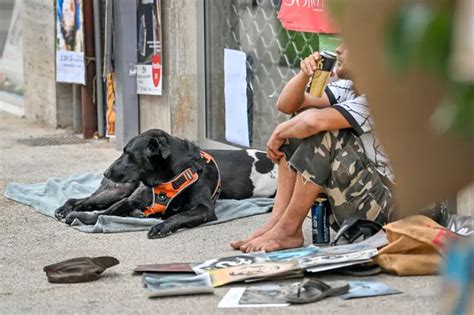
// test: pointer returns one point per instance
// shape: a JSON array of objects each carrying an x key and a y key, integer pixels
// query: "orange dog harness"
[{"x": 164, "y": 193}]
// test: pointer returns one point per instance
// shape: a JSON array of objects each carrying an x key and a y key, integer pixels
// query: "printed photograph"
[
  {"x": 69, "y": 25},
  {"x": 239, "y": 273},
  {"x": 179, "y": 285},
  {"x": 265, "y": 294},
  {"x": 70, "y": 60},
  {"x": 359, "y": 289},
  {"x": 231, "y": 261},
  {"x": 293, "y": 253}
]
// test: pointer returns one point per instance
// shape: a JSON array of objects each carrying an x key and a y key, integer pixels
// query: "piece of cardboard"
[{"x": 429, "y": 167}]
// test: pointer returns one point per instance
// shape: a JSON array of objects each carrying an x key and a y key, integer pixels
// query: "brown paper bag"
[{"x": 416, "y": 246}]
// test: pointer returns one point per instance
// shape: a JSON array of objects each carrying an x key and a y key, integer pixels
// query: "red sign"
[
  {"x": 306, "y": 16},
  {"x": 156, "y": 69}
]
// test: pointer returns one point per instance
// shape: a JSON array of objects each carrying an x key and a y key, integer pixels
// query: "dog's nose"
[{"x": 107, "y": 173}]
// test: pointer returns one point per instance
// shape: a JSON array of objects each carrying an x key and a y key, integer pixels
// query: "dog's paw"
[
  {"x": 84, "y": 217},
  {"x": 62, "y": 212},
  {"x": 160, "y": 230},
  {"x": 71, "y": 217}
]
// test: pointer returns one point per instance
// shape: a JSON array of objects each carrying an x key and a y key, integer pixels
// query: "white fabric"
[{"x": 355, "y": 108}]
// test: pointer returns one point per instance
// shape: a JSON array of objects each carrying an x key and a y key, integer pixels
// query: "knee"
[{"x": 322, "y": 140}]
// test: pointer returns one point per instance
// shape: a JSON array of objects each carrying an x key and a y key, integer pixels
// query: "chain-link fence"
[{"x": 273, "y": 58}]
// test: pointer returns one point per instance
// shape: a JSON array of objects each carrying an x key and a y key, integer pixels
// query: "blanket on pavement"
[{"x": 47, "y": 196}]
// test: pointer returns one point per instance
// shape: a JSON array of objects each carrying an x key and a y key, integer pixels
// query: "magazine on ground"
[
  {"x": 359, "y": 289},
  {"x": 328, "y": 259},
  {"x": 168, "y": 286},
  {"x": 375, "y": 241},
  {"x": 287, "y": 275},
  {"x": 293, "y": 253},
  {"x": 172, "y": 267},
  {"x": 271, "y": 295},
  {"x": 231, "y": 261},
  {"x": 151, "y": 277},
  {"x": 259, "y": 270},
  {"x": 349, "y": 253},
  {"x": 328, "y": 267}
]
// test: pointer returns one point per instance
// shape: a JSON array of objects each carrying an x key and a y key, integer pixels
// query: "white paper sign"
[
  {"x": 145, "y": 82},
  {"x": 235, "y": 92},
  {"x": 70, "y": 67}
]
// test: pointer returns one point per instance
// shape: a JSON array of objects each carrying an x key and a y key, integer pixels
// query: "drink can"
[
  {"x": 320, "y": 221},
  {"x": 321, "y": 76}
]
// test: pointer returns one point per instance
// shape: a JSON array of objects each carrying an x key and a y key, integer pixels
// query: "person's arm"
[
  {"x": 293, "y": 98},
  {"x": 303, "y": 125}
]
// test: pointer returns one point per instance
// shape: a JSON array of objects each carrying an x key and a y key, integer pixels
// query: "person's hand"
[
  {"x": 273, "y": 146},
  {"x": 310, "y": 64}
]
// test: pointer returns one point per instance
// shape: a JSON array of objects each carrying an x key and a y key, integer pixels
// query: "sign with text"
[
  {"x": 306, "y": 16},
  {"x": 149, "y": 71},
  {"x": 70, "y": 61}
]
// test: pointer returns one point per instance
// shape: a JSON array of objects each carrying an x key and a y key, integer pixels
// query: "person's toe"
[
  {"x": 248, "y": 248},
  {"x": 244, "y": 247},
  {"x": 236, "y": 244}
]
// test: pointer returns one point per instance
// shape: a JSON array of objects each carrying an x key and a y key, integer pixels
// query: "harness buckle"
[
  {"x": 188, "y": 174},
  {"x": 162, "y": 196}
]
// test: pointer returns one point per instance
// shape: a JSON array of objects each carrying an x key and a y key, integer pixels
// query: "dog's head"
[{"x": 141, "y": 160}]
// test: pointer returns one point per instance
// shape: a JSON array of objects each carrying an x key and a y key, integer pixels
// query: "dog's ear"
[{"x": 159, "y": 145}]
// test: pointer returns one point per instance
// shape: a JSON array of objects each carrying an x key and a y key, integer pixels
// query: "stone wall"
[
  {"x": 45, "y": 101},
  {"x": 38, "y": 50},
  {"x": 176, "y": 111}
]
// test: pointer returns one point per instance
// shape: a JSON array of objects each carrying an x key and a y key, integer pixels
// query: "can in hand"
[
  {"x": 320, "y": 222},
  {"x": 320, "y": 78}
]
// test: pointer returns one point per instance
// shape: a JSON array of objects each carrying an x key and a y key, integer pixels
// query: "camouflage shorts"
[{"x": 335, "y": 161}]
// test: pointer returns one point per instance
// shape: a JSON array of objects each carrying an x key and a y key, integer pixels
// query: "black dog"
[{"x": 155, "y": 157}]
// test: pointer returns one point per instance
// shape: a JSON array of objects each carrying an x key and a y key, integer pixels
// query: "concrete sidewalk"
[{"x": 30, "y": 241}]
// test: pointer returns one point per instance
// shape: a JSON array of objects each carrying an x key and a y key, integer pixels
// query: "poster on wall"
[
  {"x": 70, "y": 62},
  {"x": 149, "y": 71}
]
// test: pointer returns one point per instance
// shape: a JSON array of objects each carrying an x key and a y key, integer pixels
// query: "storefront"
[
  {"x": 201, "y": 96},
  {"x": 221, "y": 65}
]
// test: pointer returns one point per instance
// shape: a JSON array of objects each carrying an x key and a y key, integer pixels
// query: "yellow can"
[{"x": 320, "y": 78}]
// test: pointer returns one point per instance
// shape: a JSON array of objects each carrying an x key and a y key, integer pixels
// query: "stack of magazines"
[{"x": 203, "y": 277}]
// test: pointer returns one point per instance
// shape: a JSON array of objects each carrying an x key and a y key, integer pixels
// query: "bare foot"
[
  {"x": 238, "y": 244},
  {"x": 275, "y": 239},
  {"x": 285, "y": 184}
]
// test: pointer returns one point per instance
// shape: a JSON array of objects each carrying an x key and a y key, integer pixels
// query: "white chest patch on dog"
[{"x": 265, "y": 184}]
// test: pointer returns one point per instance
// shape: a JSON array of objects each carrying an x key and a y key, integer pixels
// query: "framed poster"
[
  {"x": 70, "y": 62},
  {"x": 149, "y": 71}
]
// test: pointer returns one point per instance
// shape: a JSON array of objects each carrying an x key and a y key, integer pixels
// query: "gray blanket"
[{"x": 47, "y": 197}]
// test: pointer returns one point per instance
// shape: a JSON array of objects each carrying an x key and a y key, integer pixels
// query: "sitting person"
[{"x": 326, "y": 147}]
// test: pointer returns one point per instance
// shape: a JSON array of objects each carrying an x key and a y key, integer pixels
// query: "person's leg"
[
  {"x": 356, "y": 189},
  {"x": 287, "y": 233},
  {"x": 312, "y": 162},
  {"x": 336, "y": 161},
  {"x": 285, "y": 186}
]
